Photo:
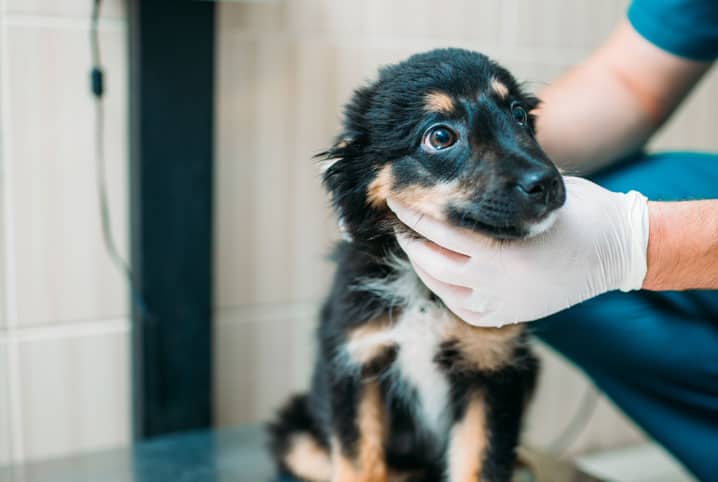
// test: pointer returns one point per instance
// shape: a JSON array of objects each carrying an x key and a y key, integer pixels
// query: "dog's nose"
[{"x": 542, "y": 187}]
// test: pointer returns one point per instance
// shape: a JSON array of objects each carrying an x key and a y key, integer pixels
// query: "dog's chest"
[
  {"x": 416, "y": 333},
  {"x": 419, "y": 330},
  {"x": 418, "y": 380}
]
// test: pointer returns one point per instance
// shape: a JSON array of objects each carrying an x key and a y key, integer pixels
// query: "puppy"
[{"x": 403, "y": 389}]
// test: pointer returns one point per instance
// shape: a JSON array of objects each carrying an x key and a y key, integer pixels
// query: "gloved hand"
[{"x": 597, "y": 244}]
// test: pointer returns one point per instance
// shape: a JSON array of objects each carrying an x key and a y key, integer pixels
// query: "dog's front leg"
[
  {"x": 488, "y": 410},
  {"x": 359, "y": 431},
  {"x": 468, "y": 440}
]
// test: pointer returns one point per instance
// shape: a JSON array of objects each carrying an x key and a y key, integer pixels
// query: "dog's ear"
[
  {"x": 333, "y": 155},
  {"x": 335, "y": 165},
  {"x": 335, "y": 162}
]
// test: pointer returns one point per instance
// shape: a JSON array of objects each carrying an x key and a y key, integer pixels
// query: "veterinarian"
[{"x": 616, "y": 279}]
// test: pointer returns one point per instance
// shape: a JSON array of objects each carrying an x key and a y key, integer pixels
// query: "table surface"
[{"x": 233, "y": 455}]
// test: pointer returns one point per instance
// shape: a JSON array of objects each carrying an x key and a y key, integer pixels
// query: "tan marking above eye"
[
  {"x": 439, "y": 102},
  {"x": 499, "y": 88}
]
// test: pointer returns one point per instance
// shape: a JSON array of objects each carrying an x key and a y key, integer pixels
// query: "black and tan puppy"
[{"x": 402, "y": 389}]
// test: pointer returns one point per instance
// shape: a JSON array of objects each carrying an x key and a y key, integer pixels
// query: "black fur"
[
  {"x": 295, "y": 417},
  {"x": 386, "y": 124}
]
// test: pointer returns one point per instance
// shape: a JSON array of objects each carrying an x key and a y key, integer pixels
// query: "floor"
[
  {"x": 240, "y": 455},
  {"x": 641, "y": 463},
  {"x": 237, "y": 455}
]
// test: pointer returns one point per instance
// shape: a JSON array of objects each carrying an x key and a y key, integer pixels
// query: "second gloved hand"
[{"x": 597, "y": 244}]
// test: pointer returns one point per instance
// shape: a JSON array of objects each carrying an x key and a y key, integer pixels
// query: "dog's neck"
[{"x": 400, "y": 286}]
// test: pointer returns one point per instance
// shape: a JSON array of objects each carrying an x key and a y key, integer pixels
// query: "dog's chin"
[
  {"x": 541, "y": 226},
  {"x": 504, "y": 229}
]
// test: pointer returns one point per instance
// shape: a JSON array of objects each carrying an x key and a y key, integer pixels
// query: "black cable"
[{"x": 98, "y": 90}]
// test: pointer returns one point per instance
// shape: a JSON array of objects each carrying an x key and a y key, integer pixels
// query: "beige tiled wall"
[
  {"x": 63, "y": 315},
  {"x": 285, "y": 67},
  {"x": 81, "y": 369},
  {"x": 5, "y": 448},
  {"x": 261, "y": 355}
]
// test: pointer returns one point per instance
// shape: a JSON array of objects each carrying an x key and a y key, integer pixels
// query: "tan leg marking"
[
  {"x": 343, "y": 469},
  {"x": 483, "y": 348},
  {"x": 308, "y": 459},
  {"x": 499, "y": 88},
  {"x": 370, "y": 463},
  {"x": 439, "y": 102},
  {"x": 372, "y": 426},
  {"x": 468, "y": 442}
]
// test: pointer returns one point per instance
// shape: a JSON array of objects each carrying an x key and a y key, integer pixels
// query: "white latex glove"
[{"x": 597, "y": 244}]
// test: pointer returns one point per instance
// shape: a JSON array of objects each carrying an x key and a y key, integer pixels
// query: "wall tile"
[
  {"x": 273, "y": 221},
  {"x": 3, "y": 180},
  {"x": 345, "y": 18},
  {"x": 65, "y": 8},
  {"x": 3, "y": 257},
  {"x": 264, "y": 17},
  {"x": 451, "y": 19},
  {"x": 558, "y": 23},
  {"x": 693, "y": 127},
  {"x": 86, "y": 378},
  {"x": 340, "y": 17},
  {"x": 535, "y": 75},
  {"x": 261, "y": 357},
  {"x": 5, "y": 434},
  {"x": 62, "y": 270},
  {"x": 3, "y": 189},
  {"x": 260, "y": 193}
]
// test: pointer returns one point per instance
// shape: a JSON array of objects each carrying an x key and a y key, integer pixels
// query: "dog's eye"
[
  {"x": 519, "y": 113},
  {"x": 438, "y": 138}
]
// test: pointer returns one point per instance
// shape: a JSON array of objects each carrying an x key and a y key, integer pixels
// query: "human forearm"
[
  {"x": 583, "y": 133},
  {"x": 682, "y": 245},
  {"x": 608, "y": 106}
]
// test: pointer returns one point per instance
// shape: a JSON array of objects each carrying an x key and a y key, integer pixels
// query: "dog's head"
[{"x": 449, "y": 133}]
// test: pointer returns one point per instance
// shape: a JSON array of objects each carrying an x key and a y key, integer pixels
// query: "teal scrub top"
[{"x": 686, "y": 28}]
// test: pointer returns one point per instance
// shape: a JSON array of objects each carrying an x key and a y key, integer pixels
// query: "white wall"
[
  {"x": 63, "y": 311},
  {"x": 285, "y": 68}
]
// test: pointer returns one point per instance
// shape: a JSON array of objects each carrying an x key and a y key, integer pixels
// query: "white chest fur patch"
[
  {"x": 418, "y": 332},
  {"x": 418, "y": 335}
]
